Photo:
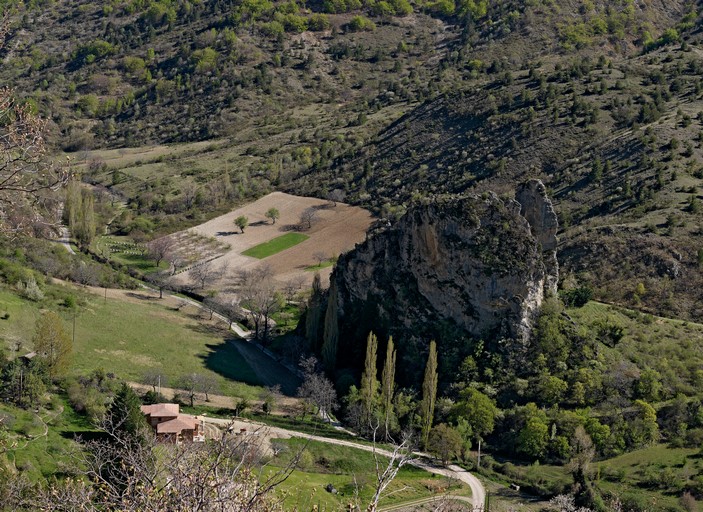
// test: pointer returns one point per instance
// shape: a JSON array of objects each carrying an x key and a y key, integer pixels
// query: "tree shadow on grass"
[
  {"x": 226, "y": 360},
  {"x": 242, "y": 361},
  {"x": 142, "y": 296}
]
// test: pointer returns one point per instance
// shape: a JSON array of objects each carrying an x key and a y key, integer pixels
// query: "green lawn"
[
  {"x": 350, "y": 471},
  {"x": 131, "y": 338},
  {"x": 276, "y": 245}
]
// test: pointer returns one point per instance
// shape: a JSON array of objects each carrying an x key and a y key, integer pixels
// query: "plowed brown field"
[{"x": 337, "y": 230}]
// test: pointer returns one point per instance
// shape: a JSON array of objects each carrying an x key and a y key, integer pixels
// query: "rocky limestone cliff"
[{"x": 455, "y": 270}]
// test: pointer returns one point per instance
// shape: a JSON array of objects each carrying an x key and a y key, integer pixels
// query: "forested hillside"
[{"x": 171, "y": 112}]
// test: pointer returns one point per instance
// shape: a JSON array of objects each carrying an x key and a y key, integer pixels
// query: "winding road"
[{"x": 478, "y": 492}]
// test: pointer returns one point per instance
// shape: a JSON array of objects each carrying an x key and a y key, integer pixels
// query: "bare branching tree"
[
  {"x": 259, "y": 296},
  {"x": 308, "y": 217},
  {"x": 386, "y": 472},
  {"x": 316, "y": 389},
  {"x": 28, "y": 178},
  {"x": 154, "y": 379},
  {"x": 321, "y": 257},
  {"x": 160, "y": 249},
  {"x": 161, "y": 281},
  {"x": 223, "y": 475},
  {"x": 205, "y": 274}
]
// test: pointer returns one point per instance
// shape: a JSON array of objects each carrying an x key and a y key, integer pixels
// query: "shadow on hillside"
[
  {"x": 84, "y": 436},
  {"x": 227, "y": 233},
  {"x": 142, "y": 296},
  {"x": 242, "y": 361},
  {"x": 226, "y": 360}
]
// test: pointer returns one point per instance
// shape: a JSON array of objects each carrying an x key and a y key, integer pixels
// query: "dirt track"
[{"x": 337, "y": 230}]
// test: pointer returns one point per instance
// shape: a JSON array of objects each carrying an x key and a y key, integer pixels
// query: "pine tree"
[
  {"x": 429, "y": 393},
  {"x": 126, "y": 417},
  {"x": 53, "y": 343},
  {"x": 369, "y": 383},
  {"x": 331, "y": 333},
  {"x": 388, "y": 385},
  {"x": 312, "y": 317}
]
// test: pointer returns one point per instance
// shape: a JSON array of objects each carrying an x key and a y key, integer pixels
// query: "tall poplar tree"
[
  {"x": 330, "y": 335},
  {"x": 388, "y": 385},
  {"x": 369, "y": 383},
  {"x": 429, "y": 393}
]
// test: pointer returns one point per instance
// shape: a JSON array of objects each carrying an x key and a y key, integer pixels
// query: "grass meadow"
[{"x": 131, "y": 337}]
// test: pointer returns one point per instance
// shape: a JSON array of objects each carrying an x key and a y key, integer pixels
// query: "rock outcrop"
[{"x": 454, "y": 270}]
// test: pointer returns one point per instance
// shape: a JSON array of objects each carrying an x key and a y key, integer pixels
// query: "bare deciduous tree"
[
  {"x": 161, "y": 281},
  {"x": 259, "y": 296},
  {"x": 399, "y": 457},
  {"x": 207, "y": 273},
  {"x": 28, "y": 179},
  {"x": 321, "y": 257},
  {"x": 223, "y": 475},
  {"x": 316, "y": 389},
  {"x": 154, "y": 379},
  {"x": 160, "y": 249},
  {"x": 308, "y": 217}
]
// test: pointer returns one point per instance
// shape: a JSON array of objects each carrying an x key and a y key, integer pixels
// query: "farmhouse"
[{"x": 173, "y": 427}]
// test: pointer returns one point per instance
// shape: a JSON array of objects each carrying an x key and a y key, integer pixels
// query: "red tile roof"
[
  {"x": 161, "y": 410},
  {"x": 177, "y": 425}
]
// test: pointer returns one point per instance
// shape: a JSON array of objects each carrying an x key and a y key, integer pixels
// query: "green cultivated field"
[{"x": 276, "y": 245}]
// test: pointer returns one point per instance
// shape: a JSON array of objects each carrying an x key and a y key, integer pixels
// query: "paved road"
[{"x": 478, "y": 492}]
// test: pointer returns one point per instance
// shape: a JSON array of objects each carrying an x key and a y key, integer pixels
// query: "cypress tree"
[
  {"x": 369, "y": 382},
  {"x": 388, "y": 384},
  {"x": 331, "y": 333},
  {"x": 429, "y": 392},
  {"x": 312, "y": 317}
]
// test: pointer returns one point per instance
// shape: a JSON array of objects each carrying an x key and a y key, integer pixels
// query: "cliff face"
[{"x": 453, "y": 270}]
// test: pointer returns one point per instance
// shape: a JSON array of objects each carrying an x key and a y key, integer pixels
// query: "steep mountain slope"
[
  {"x": 616, "y": 141},
  {"x": 492, "y": 93}
]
